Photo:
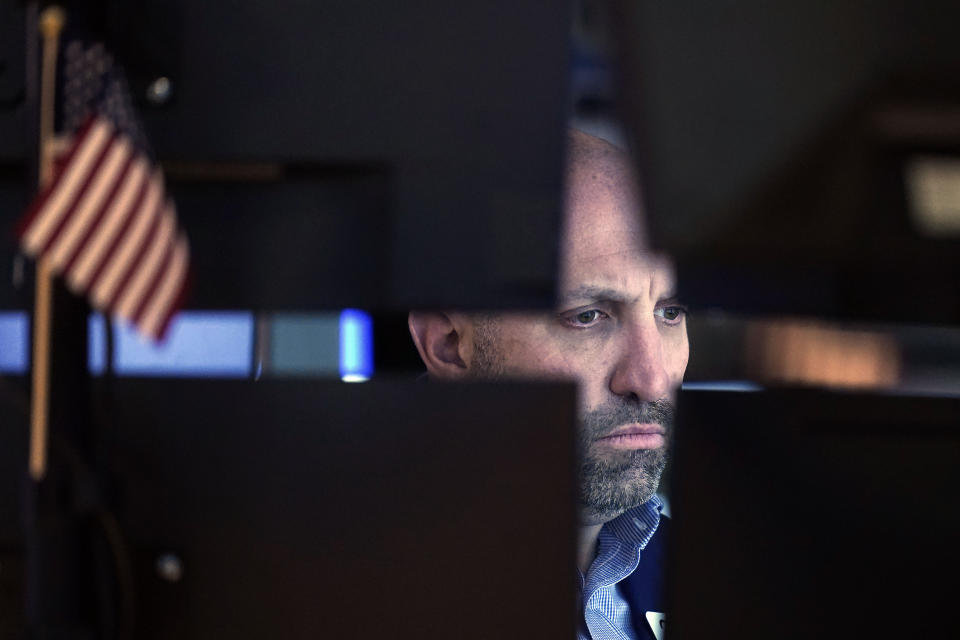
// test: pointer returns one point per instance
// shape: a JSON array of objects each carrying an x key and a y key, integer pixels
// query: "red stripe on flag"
[
  {"x": 185, "y": 288},
  {"x": 155, "y": 281},
  {"x": 41, "y": 200},
  {"x": 169, "y": 289},
  {"x": 142, "y": 248},
  {"x": 98, "y": 217},
  {"x": 108, "y": 255},
  {"x": 148, "y": 266},
  {"x": 78, "y": 195},
  {"x": 65, "y": 189}
]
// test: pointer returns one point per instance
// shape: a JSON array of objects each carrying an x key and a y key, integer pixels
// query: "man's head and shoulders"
[{"x": 618, "y": 330}]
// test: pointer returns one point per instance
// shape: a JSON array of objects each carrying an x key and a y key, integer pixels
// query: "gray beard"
[
  {"x": 611, "y": 483},
  {"x": 616, "y": 481}
]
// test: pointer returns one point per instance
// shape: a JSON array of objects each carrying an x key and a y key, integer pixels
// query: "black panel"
[
  {"x": 306, "y": 509},
  {"x": 15, "y": 409},
  {"x": 13, "y": 91},
  {"x": 774, "y": 139},
  {"x": 459, "y": 104},
  {"x": 313, "y": 239},
  {"x": 309, "y": 510},
  {"x": 14, "y": 195},
  {"x": 803, "y": 514}
]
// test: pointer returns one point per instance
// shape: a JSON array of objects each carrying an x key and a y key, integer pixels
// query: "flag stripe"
[
  {"x": 157, "y": 279},
  {"x": 182, "y": 290},
  {"x": 97, "y": 253},
  {"x": 114, "y": 273},
  {"x": 41, "y": 200},
  {"x": 167, "y": 298},
  {"x": 126, "y": 182},
  {"x": 79, "y": 195},
  {"x": 128, "y": 270},
  {"x": 73, "y": 178},
  {"x": 148, "y": 265},
  {"x": 134, "y": 259},
  {"x": 78, "y": 220}
]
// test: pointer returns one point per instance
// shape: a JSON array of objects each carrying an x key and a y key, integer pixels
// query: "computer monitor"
[
  {"x": 814, "y": 514},
  {"x": 336, "y": 154},
  {"x": 793, "y": 156},
  {"x": 306, "y": 509}
]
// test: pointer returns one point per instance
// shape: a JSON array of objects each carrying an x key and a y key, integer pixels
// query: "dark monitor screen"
[
  {"x": 815, "y": 514},
  {"x": 334, "y": 154},
  {"x": 307, "y": 509},
  {"x": 794, "y": 156}
]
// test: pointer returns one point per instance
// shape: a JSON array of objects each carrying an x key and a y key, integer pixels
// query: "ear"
[{"x": 443, "y": 340}]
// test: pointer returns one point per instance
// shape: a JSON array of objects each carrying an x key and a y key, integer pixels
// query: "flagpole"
[{"x": 51, "y": 24}]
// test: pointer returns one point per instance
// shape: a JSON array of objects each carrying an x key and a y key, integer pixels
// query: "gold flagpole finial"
[{"x": 51, "y": 21}]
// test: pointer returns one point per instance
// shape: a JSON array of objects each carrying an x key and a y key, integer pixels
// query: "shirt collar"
[
  {"x": 619, "y": 545},
  {"x": 634, "y": 527}
]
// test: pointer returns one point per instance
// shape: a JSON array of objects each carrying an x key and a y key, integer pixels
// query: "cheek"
[
  {"x": 536, "y": 348},
  {"x": 541, "y": 361},
  {"x": 590, "y": 367},
  {"x": 590, "y": 375},
  {"x": 594, "y": 387},
  {"x": 533, "y": 347},
  {"x": 676, "y": 355}
]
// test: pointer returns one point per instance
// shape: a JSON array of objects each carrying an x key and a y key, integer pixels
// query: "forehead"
[{"x": 604, "y": 240}]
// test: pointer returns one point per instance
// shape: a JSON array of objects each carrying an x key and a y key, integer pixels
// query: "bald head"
[{"x": 602, "y": 209}]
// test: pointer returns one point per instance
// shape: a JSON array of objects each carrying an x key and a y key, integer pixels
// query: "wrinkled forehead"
[
  {"x": 602, "y": 202},
  {"x": 604, "y": 224}
]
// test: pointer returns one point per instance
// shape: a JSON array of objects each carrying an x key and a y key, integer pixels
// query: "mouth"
[{"x": 635, "y": 436}]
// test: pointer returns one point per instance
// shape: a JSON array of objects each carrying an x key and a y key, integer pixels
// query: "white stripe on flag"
[
  {"x": 109, "y": 279},
  {"x": 92, "y": 252},
  {"x": 80, "y": 217},
  {"x": 133, "y": 293},
  {"x": 66, "y": 188},
  {"x": 170, "y": 287}
]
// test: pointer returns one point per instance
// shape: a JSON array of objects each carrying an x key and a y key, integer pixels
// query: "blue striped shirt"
[{"x": 606, "y": 614}]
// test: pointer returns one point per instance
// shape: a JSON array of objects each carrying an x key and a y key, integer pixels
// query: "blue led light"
[
  {"x": 96, "y": 344},
  {"x": 356, "y": 345}
]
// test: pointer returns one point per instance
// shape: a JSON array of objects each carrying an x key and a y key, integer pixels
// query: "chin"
[{"x": 608, "y": 487}]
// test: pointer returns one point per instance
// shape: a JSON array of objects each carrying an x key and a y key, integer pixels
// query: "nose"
[{"x": 640, "y": 372}]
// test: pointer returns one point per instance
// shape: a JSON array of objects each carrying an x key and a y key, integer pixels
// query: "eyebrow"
[
  {"x": 595, "y": 293},
  {"x": 589, "y": 292}
]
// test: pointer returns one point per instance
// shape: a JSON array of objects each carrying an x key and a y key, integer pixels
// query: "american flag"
[{"x": 105, "y": 221}]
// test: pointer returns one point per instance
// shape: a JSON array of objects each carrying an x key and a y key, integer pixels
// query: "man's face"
[{"x": 618, "y": 330}]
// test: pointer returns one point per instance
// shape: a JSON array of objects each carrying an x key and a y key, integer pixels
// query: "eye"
[
  {"x": 584, "y": 319},
  {"x": 672, "y": 314}
]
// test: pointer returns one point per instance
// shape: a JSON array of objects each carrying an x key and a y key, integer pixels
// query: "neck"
[
  {"x": 587, "y": 545},
  {"x": 587, "y": 534}
]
